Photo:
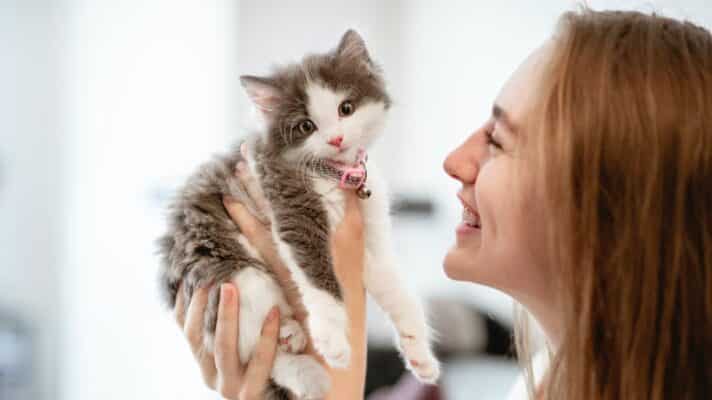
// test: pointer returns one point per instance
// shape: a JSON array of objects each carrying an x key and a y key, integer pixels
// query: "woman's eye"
[
  {"x": 346, "y": 108},
  {"x": 307, "y": 127},
  {"x": 491, "y": 141}
]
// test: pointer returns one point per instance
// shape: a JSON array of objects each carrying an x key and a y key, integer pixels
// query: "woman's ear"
[{"x": 263, "y": 94}]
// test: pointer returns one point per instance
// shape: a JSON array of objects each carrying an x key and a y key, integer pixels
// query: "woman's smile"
[{"x": 471, "y": 223}]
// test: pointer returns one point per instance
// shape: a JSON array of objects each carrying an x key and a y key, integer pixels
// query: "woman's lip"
[{"x": 464, "y": 229}]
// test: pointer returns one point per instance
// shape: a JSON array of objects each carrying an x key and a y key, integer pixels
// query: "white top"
[{"x": 540, "y": 364}]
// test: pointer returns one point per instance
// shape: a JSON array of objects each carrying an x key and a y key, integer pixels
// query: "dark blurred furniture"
[{"x": 385, "y": 367}]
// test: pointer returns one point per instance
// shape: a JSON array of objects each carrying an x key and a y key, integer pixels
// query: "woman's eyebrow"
[{"x": 500, "y": 115}]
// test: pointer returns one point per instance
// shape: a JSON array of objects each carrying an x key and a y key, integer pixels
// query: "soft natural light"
[{"x": 107, "y": 105}]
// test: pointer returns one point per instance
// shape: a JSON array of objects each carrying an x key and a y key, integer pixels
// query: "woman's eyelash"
[{"x": 491, "y": 140}]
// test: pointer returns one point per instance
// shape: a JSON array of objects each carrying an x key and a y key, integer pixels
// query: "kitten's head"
[{"x": 326, "y": 107}]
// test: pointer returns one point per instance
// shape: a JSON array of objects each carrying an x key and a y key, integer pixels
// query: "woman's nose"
[{"x": 463, "y": 163}]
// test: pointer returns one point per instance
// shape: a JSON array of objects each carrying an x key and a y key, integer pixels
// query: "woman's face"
[{"x": 500, "y": 240}]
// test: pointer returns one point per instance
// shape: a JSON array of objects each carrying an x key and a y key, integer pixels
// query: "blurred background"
[{"x": 105, "y": 106}]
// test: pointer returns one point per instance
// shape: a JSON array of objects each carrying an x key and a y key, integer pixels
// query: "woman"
[{"x": 588, "y": 198}]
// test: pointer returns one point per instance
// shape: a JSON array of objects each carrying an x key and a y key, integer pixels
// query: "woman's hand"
[
  {"x": 222, "y": 371},
  {"x": 347, "y": 248},
  {"x": 347, "y": 243}
]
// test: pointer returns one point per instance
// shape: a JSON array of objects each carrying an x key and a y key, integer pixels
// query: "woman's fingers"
[
  {"x": 222, "y": 370},
  {"x": 249, "y": 225},
  {"x": 260, "y": 366},
  {"x": 193, "y": 327},
  {"x": 347, "y": 247},
  {"x": 259, "y": 236},
  {"x": 249, "y": 181},
  {"x": 193, "y": 330},
  {"x": 179, "y": 309},
  {"x": 253, "y": 189},
  {"x": 352, "y": 213},
  {"x": 227, "y": 358},
  {"x": 348, "y": 235},
  {"x": 243, "y": 150}
]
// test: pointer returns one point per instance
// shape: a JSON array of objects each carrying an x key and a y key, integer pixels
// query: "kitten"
[{"x": 320, "y": 116}]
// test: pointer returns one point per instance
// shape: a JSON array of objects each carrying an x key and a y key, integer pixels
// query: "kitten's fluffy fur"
[{"x": 204, "y": 247}]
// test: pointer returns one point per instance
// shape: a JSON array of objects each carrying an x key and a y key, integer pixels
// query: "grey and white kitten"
[{"x": 317, "y": 115}]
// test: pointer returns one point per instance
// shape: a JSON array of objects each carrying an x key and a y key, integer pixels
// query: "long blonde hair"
[{"x": 624, "y": 132}]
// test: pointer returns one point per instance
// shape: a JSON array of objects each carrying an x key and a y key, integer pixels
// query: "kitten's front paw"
[
  {"x": 312, "y": 381},
  {"x": 292, "y": 338},
  {"x": 329, "y": 337},
  {"x": 420, "y": 358}
]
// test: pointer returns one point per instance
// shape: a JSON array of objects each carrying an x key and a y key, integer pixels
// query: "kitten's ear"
[
  {"x": 263, "y": 93},
  {"x": 352, "y": 47}
]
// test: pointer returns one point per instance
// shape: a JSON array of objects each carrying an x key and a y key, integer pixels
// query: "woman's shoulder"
[{"x": 540, "y": 364}]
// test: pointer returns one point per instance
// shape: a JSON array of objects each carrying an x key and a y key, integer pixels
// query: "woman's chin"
[
  {"x": 458, "y": 264},
  {"x": 469, "y": 264}
]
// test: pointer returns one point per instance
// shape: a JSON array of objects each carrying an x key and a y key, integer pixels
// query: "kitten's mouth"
[
  {"x": 359, "y": 162},
  {"x": 338, "y": 164},
  {"x": 341, "y": 160},
  {"x": 352, "y": 176}
]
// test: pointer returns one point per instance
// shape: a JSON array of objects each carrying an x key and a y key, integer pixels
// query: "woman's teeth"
[{"x": 471, "y": 218}]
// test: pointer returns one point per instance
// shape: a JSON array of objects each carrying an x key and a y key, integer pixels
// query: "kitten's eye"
[
  {"x": 346, "y": 108},
  {"x": 306, "y": 127}
]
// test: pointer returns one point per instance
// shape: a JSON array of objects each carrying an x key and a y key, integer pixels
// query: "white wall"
[
  {"x": 31, "y": 205},
  {"x": 149, "y": 90}
]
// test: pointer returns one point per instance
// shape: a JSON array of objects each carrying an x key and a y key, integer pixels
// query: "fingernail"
[
  {"x": 271, "y": 317},
  {"x": 227, "y": 199},
  {"x": 226, "y": 293},
  {"x": 273, "y": 313},
  {"x": 243, "y": 149}
]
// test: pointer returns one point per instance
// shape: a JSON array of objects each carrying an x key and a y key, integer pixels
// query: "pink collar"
[{"x": 354, "y": 176}]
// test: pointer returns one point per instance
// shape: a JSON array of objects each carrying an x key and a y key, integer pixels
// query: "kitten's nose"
[{"x": 336, "y": 141}]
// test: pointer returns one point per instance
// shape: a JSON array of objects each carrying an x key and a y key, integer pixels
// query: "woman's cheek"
[
  {"x": 503, "y": 236},
  {"x": 488, "y": 196}
]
